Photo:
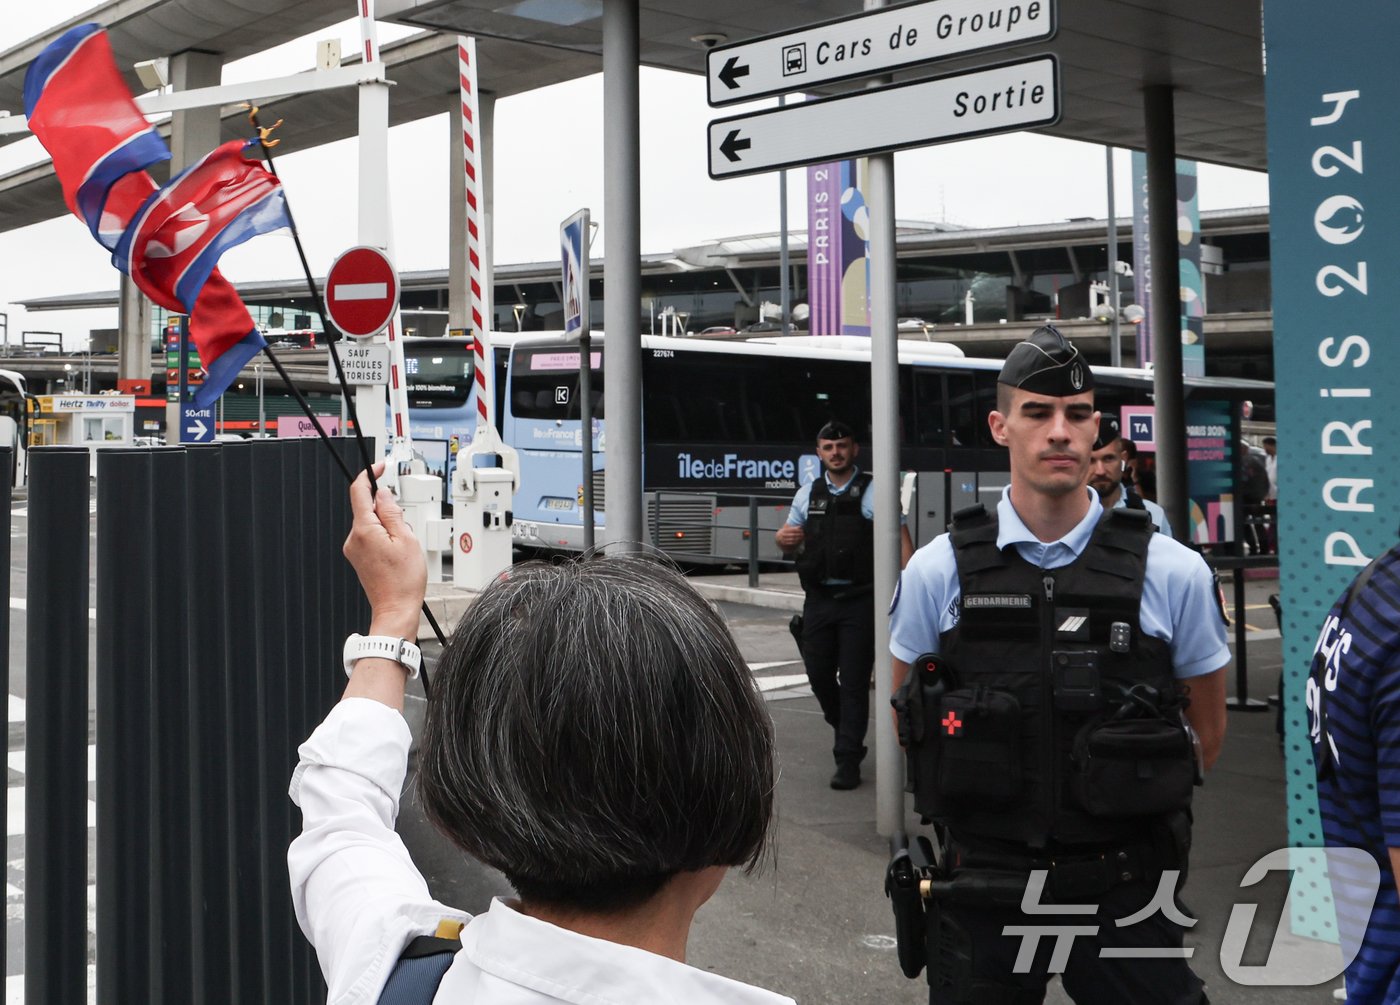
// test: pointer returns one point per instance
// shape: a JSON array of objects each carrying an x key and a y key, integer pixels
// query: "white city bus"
[{"x": 727, "y": 422}]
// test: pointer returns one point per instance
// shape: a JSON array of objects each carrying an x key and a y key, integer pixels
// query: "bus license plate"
[{"x": 558, "y": 504}]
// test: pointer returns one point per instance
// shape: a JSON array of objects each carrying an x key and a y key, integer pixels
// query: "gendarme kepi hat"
[
  {"x": 1047, "y": 363},
  {"x": 1109, "y": 431}
]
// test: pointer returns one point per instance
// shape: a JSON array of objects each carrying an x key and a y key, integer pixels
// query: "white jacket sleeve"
[{"x": 358, "y": 896}]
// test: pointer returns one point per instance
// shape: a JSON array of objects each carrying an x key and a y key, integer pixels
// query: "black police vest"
[
  {"x": 1131, "y": 500},
  {"x": 1056, "y": 720},
  {"x": 840, "y": 542}
]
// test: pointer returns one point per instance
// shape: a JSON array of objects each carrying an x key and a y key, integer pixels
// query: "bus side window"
[
  {"x": 927, "y": 402},
  {"x": 963, "y": 413}
]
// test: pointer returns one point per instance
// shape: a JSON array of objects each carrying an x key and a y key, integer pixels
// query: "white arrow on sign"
[
  {"x": 873, "y": 42},
  {"x": 198, "y": 428},
  {"x": 994, "y": 99}
]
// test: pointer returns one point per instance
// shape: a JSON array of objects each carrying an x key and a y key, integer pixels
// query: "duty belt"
[{"x": 1074, "y": 875}]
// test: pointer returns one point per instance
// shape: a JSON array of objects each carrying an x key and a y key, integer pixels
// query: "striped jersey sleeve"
[{"x": 1354, "y": 718}]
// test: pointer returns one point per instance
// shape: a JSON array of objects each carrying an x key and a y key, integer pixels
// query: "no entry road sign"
[
  {"x": 870, "y": 43},
  {"x": 993, "y": 99},
  {"x": 362, "y": 292}
]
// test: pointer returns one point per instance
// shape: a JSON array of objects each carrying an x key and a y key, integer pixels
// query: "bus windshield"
[
  {"x": 545, "y": 383},
  {"x": 438, "y": 372}
]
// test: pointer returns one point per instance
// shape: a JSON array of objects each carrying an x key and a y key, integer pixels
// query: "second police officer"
[
  {"x": 1058, "y": 650},
  {"x": 1107, "y": 466},
  {"x": 829, "y": 531}
]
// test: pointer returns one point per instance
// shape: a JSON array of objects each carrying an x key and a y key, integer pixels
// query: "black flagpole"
[{"x": 339, "y": 372}]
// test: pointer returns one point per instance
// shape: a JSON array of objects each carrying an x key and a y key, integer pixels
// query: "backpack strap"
[{"x": 418, "y": 974}]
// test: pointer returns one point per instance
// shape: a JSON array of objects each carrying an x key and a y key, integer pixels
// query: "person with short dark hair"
[
  {"x": 1107, "y": 468},
  {"x": 830, "y": 533},
  {"x": 593, "y": 733}
]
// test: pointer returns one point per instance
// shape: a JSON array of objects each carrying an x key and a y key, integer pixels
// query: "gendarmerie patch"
[{"x": 1008, "y": 601}]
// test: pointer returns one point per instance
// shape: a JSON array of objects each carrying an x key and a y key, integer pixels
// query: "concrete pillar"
[
  {"x": 133, "y": 333},
  {"x": 1159, "y": 112},
  {"x": 884, "y": 464},
  {"x": 622, "y": 291},
  {"x": 193, "y": 134}
]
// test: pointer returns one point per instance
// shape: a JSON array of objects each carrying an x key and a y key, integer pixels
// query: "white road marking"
[
  {"x": 756, "y": 667},
  {"x": 779, "y": 683}
]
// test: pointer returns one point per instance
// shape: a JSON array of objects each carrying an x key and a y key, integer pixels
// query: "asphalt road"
[{"x": 814, "y": 924}]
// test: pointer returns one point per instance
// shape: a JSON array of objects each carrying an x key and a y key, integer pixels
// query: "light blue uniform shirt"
[
  {"x": 1158, "y": 515},
  {"x": 797, "y": 515},
  {"x": 1179, "y": 602}
]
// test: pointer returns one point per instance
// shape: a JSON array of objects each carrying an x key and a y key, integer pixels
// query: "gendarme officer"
[
  {"x": 1107, "y": 465},
  {"x": 1059, "y": 650},
  {"x": 829, "y": 529}
]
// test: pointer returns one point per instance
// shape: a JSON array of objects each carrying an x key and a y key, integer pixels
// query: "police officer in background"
[
  {"x": 1107, "y": 464},
  {"x": 1059, "y": 652},
  {"x": 830, "y": 530}
]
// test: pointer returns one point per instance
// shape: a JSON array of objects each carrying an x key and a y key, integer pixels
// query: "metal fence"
[{"x": 222, "y": 599}]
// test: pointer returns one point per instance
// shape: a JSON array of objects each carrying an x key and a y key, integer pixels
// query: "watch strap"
[{"x": 402, "y": 651}]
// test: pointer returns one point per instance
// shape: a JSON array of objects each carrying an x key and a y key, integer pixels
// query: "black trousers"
[
  {"x": 974, "y": 936},
  {"x": 838, "y": 648}
]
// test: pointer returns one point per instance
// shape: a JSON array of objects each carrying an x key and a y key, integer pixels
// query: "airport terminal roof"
[
  {"x": 753, "y": 251},
  {"x": 1109, "y": 50}
]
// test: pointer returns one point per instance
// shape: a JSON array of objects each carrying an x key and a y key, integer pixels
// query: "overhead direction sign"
[
  {"x": 871, "y": 43},
  {"x": 993, "y": 99},
  {"x": 362, "y": 292}
]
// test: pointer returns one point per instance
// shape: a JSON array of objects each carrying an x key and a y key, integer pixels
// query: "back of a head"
[{"x": 594, "y": 731}]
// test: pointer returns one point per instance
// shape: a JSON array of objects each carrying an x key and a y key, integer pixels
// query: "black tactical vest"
[
  {"x": 1051, "y": 718},
  {"x": 840, "y": 542}
]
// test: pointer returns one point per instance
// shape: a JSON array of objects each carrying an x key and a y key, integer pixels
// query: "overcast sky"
[{"x": 548, "y": 164}]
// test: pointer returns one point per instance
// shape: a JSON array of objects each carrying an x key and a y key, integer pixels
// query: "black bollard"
[{"x": 56, "y": 728}]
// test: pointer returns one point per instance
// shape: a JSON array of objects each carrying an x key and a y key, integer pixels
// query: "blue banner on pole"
[
  {"x": 1142, "y": 257},
  {"x": 1193, "y": 289},
  {"x": 824, "y": 248},
  {"x": 855, "y": 250},
  {"x": 1332, "y": 89}
]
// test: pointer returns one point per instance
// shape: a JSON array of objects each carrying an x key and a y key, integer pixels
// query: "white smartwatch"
[{"x": 357, "y": 647}]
